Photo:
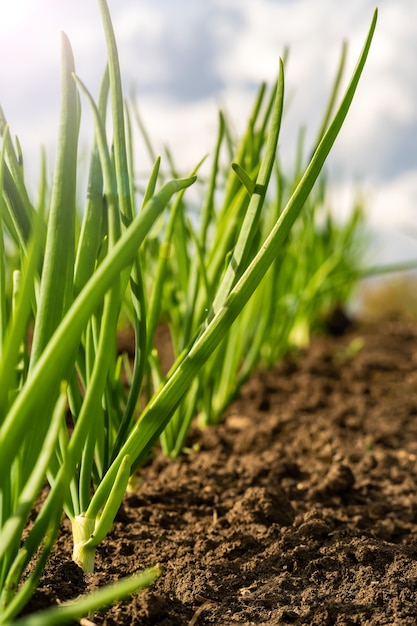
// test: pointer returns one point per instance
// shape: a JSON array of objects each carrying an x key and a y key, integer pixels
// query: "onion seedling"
[
  {"x": 65, "y": 414},
  {"x": 69, "y": 298},
  {"x": 313, "y": 271}
]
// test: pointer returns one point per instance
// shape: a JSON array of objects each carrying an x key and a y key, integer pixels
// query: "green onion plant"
[
  {"x": 67, "y": 282},
  {"x": 313, "y": 271}
]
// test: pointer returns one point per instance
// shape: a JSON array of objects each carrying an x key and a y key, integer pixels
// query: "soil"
[{"x": 300, "y": 508}]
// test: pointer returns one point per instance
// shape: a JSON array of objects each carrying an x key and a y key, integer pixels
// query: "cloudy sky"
[{"x": 185, "y": 58}]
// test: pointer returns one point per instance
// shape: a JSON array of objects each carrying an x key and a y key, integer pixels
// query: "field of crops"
[{"x": 132, "y": 326}]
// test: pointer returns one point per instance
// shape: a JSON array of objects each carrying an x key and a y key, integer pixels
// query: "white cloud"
[
  {"x": 188, "y": 57},
  {"x": 386, "y": 102},
  {"x": 393, "y": 203}
]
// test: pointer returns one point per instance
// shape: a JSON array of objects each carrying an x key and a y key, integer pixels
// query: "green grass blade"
[
  {"x": 92, "y": 231},
  {"x": 154, "y": 308},
  {"x": 241, "y": 251},
  {"x": 21, "y": 210},
  {"x": 138, "y": 300},
  {"x": 69, "y": 612},
  {"x": 16, "y": 218},
  {"x": 140, "y": 326},
  {"x": 26, "y": 590},
  {"x": 232, "y": 184},
  {"x": 92, "y": 404},
  {"x": 10, "y": 533},
  {"x": 110, "y": 186},
  {"x": 150, "y": 187},
  {"x": 16, "y": 329},
  {"x": 58, "y": 267},
  {"x": 120, "y": 152},
  {"x": 244, "y": 177},
  {"x": 3, "y": 287}
]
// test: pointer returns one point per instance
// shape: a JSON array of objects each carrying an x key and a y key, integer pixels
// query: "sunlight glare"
[{"x": 14, "y": 15}]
